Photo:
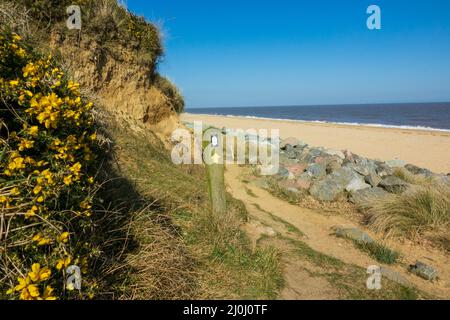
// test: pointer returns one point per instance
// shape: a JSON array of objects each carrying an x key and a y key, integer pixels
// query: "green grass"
[{"x": 379, "y": 252}]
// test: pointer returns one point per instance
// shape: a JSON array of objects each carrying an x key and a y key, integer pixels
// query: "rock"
[
  {"x": 396, "y": 277},
  {"x": 393, "y": 184},
  {"x": 304, "y": 181},
  {"x": 353, "y": 234},
  {"x": 424, "y": 271},
  {"x": 349, "y": 157},
  {"x": 373, "y": 179},
  {"x": 291, "y": 153},
  {"x": 343, "y": 176},
  {"x": 326, "y": 190},
  {"x": 332, "y": 185},
  {"x": 396, "y": 163},
  {"x": 289, "y": 141},
  {"x": 316, "y": 170},
  {"x": 383, "y": 170},
  {"x": 337, "y": 153},
  {"x": 361, "y": 197},
  {"x": 417, "y": 170},
  {"x": 287, "y": 184},
  {"x": 332, "y": 166},
  {"x": 296, "y": 169},
  {"x": 362, "y": 166},
  {"x": 283, "y": 172},
  {"x": 357, "y": 184}
]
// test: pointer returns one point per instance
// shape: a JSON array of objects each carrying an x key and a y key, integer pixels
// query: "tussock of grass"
[
  {"x": 415, "y": 179},
  {"x": 379, "y": 252},
  {"x": 419, "y": 209}
]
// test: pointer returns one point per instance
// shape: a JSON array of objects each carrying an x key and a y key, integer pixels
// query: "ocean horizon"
[{"x": 425, "y": 116}]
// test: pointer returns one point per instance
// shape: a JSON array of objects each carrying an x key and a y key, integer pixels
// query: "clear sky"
[{"x": 294, "y": 52}]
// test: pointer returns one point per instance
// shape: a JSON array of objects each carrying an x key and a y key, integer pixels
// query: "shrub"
[
  {"x": 171, "y": 92},
  {"x": 47, "y": 176}
]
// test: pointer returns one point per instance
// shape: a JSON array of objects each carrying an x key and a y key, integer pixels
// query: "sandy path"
[
  {"x": 317, "y": 230},
  {"x": 428, "y": 149}
]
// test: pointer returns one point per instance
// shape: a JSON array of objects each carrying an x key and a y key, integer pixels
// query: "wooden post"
[{"x": 215, "y": 174}]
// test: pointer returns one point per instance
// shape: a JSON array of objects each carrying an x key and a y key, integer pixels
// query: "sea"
[{"x": 425, "y": 116}]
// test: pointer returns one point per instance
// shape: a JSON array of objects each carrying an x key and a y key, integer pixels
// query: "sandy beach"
[{"x": 428, "y": 149}]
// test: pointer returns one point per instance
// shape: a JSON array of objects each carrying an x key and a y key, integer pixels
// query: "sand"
[{"x": 428, "y": 149}]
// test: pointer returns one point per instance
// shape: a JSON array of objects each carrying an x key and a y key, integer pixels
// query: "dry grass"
[
  {"x": 180, "y": 250},
  {"x": 419, "y": 209},
  {"x": 415, "y": 179}
]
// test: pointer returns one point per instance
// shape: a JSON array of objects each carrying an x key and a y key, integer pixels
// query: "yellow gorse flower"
[{"x": 39, "y": 274}]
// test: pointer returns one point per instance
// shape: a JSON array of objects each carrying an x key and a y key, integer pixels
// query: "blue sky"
[{"x": 292, "y": 52}]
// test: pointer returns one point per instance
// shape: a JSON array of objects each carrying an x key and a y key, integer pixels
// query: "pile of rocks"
[{"x": 329, "y": 174}]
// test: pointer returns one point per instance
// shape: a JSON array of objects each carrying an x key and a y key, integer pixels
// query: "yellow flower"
[
  {"x": 63, "y": 263},
  {"x": 16, "y": 37},
  {"x": 29, "y": 69},
  {"x": 33, "y": 290},
  {"x": 14, "y": 83},
  {"x": 33, "y": 131},
  {"x": 63, "y": 237},
  {"x": 37, "y": 274},
  {"x": 31, "y": 212},
  {"x": 23, "y": 283},
  {"x": 37, "y": 189},
  {"x": 21, "y": 52},
  {"x": 76, "y": 168},
  {"x": 15, "y": 191},
  {"x": 68, "y": 180},
  {"x": 3, "y": 199},
  {"x": 47, "y": 295},
  {"x": 40, "y": 199},
  {"x": 25, "y": 144},
  {"x": 91, "y": 180},
  {"x": 41, "y": 241}
]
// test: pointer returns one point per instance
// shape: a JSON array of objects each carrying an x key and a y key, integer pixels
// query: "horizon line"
[{"x": 321, "y": 105}]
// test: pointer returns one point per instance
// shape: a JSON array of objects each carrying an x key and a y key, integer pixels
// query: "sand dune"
[{"x": 428, "y": 149}]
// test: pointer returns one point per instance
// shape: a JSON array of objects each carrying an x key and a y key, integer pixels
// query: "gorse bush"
[
  {"x": 105, "y": 19},
  {"x": 47, "y": 177}
]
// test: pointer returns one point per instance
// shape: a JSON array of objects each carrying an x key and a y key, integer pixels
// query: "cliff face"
[
  {"x": 120, "y": 82},
  {"x": 114, "y": 57}
]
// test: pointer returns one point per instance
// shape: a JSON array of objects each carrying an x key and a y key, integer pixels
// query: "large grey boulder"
[
  {"x": 383, "y": 170},
  {"x": 417, "y": 170},
  {"x": 289, "y": 141},
  {"x": 336, "y": 153},
  {"x": 326, "y": 190},
  {"x": 316, "y": 170},
  {"x": 332, "y": 186},
  {"x": 393, "y": 184},
  {"x": 424, "y": 271},
  {"x": 373, "y": 179},
  {"x": 362, "y": 166},
  {"x": 353, "y": 234},
  {"x": 396, "y": 163},
  {"x": 361, "y": 197},
  {"x": 357, "y": 184}
]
